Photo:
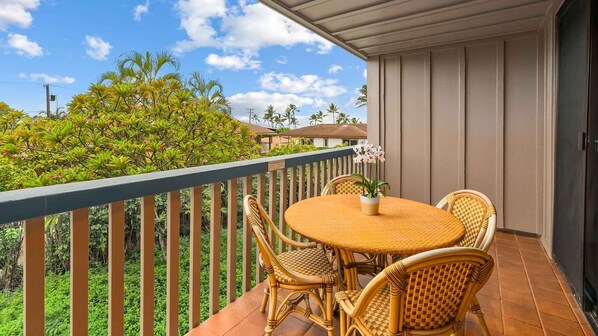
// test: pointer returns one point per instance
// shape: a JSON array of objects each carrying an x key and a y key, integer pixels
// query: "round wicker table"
[{"x": 403, "y": 227}]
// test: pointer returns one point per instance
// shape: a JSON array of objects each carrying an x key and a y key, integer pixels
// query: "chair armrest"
[{"x": 367, "y": 294}]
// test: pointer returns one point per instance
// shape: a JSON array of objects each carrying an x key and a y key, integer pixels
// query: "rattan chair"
[
  {"x": 424, "y": 294},
  {"x": 305, "y": 271},
  {"x": 343, "y": 185},
  {"x": 478, "y": 214}
]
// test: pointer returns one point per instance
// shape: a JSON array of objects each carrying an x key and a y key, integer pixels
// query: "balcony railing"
[{"x": 280, "y": 180}]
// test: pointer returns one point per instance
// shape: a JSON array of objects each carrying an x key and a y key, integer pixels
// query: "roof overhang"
[{"x": 376, "y": 27}]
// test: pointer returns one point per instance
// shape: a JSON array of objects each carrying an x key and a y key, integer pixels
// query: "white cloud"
[
  {"x": 365, "y": 73},
  {"x": 16, "y": 12},
  {"x": 244, "y": 28},
  {"x": 282, "y": 60},
  {"x": 233, "y": 62},
  {"x": 195, "y": 16},
  {"x": 23, "y": 46},
  {"x": 334, "y": 69},
  {"x": 139, "y": 10},
  {"x": 47, "y": 78},
  {"x": 97, "y": 48},
  {"x": 310, "y": 85}
]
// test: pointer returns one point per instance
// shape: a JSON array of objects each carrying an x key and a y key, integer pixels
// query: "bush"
[{"x": 58, "y": 294}]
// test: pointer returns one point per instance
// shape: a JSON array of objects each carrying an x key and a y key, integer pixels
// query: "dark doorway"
[
  {"x": 575, "y": 242},
  {"x": 590, "y": 299},
  {"x": 572, "y": 96}
]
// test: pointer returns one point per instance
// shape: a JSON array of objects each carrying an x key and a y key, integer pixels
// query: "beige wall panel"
[
  {"x": 392, "y": 92},
  {"x": 521, "y": 109},
  {"x": 465, "y": 116},
  {"x": 481, "y": 118},
  {"x": 445, "y": 129},
  {"x": 415, "y": 127}
]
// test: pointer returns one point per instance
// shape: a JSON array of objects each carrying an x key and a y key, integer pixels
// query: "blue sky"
[{"x": 259, "y": 56}]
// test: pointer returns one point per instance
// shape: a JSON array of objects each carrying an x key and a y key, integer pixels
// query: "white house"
[{"x": 330, "y": 135}]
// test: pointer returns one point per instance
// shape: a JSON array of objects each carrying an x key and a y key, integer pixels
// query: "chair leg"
[
  {"x": 343, "y": 321},
  {"x": 476, "y": 309},
  {"x": 265, "y": 299},
  {"x": 271, "y": 323},
  {"x": 329, "y": 311}
]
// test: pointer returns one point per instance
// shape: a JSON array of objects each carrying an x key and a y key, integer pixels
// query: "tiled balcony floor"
[{"x": 526, "y": 295}]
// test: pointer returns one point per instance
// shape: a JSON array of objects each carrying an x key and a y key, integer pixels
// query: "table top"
[{"x": 402, "y": 227}]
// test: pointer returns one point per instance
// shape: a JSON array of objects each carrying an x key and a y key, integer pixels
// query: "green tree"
[
  {"x": 136, "y": 67},
  {"x": 342, "y": 118},
  {"x": 278, "y": 120},
  {"x": 313, "y": 119},
  {"x": 362, "y": 100},
  {"x": 255, "y": 118},
  {"x": 333, "y": 109},
  {"x": 321, "y": 115},
  {"x": 209, "y": 93},
  {"x": 124, "y": 129},
  {"x": 289, "y": 115},
  {"x": 355, "y": 120},
  {"x": 269, "y": 115}
]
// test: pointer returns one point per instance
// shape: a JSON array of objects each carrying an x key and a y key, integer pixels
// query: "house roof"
[
  {"x": 334, "y": 131},
  {"x": 259, "y": 130},
  {"x": 374, "y": 27}
]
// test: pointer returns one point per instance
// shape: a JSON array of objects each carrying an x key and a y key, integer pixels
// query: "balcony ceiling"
[{"x": 373, "y": 27}]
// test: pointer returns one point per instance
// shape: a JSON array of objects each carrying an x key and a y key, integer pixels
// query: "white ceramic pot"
[{"x": 370, "y": 206}]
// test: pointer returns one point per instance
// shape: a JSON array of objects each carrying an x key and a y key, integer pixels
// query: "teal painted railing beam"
[{"x": 23, "y": 204}]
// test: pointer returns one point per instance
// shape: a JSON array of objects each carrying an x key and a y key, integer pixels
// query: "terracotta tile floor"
[{"x": 526, "y": 295}]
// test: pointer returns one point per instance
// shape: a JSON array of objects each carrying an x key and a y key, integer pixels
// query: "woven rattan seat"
[
  {"x": 309, "y": 261},
  {"x": 425, "y": 294},
  {"x": 305, "y": 271}
]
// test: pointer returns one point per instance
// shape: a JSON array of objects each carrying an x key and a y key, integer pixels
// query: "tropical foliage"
[
  {"x": 136, "y": 67},
  {"x": 293, "y": 147},
  {"x": 333, "y": 109},
  {"x": 122, "y": 129},
  {"x": 362, "y": 100}
]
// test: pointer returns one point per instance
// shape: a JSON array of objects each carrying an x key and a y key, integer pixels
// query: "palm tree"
[
  {"x": 355, "y": 120},
  {"x": 139, "y": 68},
  {"x": 294, "y": 122},
  {"x": 321, "y": 116},
  {"x": 313, "y": 119},
  {"x": 269, "y": 115},
  {"x": 342, "y": 118},
  {"x": 289, "y": 113},
  {"x": 208, "y": 93},
  {"x": 255, "y": 118},
  {"x": 363, "y": 96},
  {"x": 278, "y": 120},
  {"x": 332, "y": 108}
]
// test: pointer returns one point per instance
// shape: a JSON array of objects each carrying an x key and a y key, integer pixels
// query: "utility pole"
[
  {"x": 250, "y": 111},
  {"x": 47, "y": 86}
]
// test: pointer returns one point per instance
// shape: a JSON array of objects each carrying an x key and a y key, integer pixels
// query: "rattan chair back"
[
  {"x": 427, "y": 293},
  {"x": 477, "y": 213},
  {"x": 343, "y": 185}
]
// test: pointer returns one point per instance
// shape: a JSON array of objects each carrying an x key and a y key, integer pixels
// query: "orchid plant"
[{"x": 366, "y": 153}]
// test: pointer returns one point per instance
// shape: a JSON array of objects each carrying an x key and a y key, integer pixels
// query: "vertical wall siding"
[
  {"x": 446, "y": 122},
  {"x": 464, "y": 116}
]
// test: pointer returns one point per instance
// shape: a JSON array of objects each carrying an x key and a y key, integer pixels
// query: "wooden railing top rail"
[{"x": 23, "y": 204}]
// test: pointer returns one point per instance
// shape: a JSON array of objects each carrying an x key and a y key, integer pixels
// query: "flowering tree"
[{"x": 366, "y": 153}]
